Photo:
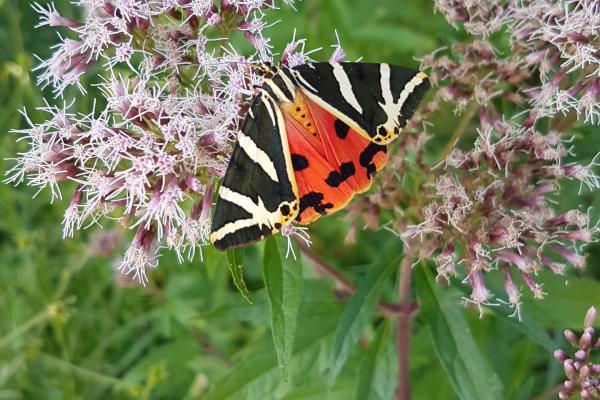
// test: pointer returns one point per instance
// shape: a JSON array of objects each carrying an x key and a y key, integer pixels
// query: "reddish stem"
[{"x": 403, "y": 330}]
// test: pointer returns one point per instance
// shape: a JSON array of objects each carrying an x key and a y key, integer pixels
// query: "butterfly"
[{"x": 314, "y": 136}]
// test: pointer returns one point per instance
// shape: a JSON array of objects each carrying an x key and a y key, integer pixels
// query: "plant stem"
[
  {"x": 460, "y": 129},
  {"x": 39, "y": 319},
  {"x": 84, "y": 373},
  {"x": 346, "y": 286},
  {"x": 403, "y": 329}
]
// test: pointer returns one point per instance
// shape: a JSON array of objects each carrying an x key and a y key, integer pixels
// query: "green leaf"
[
  {"x": 402, "y": 39},
  {"x": 471, "y": 377},
  {"x": 318, "y": 324},
  {"x": 283, "y": 283},
  {"x": 235, "y": 259},
  {"x": 376, "y": 378},
  {"x": 567, "y": 300},
  {"x": 530, "y": 327},
  {"x": 358, "y": 312}
]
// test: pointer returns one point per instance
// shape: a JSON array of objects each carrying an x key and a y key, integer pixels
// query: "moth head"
[
  {"x": 266, "y": 69},
  {"x": 287, "y": 213}
]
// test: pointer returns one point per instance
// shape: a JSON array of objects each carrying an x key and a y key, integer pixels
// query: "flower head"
[{"x": 175, "y": 91}]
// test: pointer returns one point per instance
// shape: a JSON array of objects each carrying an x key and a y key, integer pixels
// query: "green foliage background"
[{"x": 69, "y": 331}]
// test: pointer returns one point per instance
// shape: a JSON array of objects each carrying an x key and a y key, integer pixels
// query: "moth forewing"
[{"x": 258, "y": 195}]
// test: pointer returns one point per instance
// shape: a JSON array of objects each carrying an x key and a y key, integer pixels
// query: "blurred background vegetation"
[{"x": 71, "y": 328}]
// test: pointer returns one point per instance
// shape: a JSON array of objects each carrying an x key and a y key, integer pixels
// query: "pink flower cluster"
[
  {"x": 175, "y": 91},
  {"x": 490, "y": 210},
  {"x": 488, "y": 203},
  {"x": 553, "y": 41}
]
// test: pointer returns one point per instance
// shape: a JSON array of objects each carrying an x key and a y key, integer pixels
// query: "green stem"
[
  {"x": 460, "y": 129},
  {"x": 84, "y": 373},
  {"x": 39, "y": 319}
]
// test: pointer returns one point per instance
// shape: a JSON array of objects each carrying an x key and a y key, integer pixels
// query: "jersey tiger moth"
[{"x": 314, "y": 136}]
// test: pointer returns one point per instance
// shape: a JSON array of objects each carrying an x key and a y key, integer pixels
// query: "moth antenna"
[{"x": 299, "y": 231}]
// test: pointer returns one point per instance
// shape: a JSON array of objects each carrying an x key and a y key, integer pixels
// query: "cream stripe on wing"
[
  {"x": 231, "y": 227},
  {"x": 345, "y": 86},
  {"x": 393, "y": 109},
  {"x": 277, "y": 91},
  {"x": 410, "y": 86},
  {"x": 386, "y": 84},
  {"x": 288, "y": 83},
  {"x": 257, "y": 155},
  {"x": 260, "y": 216}
]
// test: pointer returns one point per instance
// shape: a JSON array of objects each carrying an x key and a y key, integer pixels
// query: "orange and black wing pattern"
[
  {"x": 331, "y": 161},
  {"x": 315, "y": 135}
]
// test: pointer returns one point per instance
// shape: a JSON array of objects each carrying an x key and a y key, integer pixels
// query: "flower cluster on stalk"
[
  {"x": 553, "y": 41},
  {"x": 175, "y": 90},
  {"x": 488, "y": 203},
  {"x": 583, "y": 375}
]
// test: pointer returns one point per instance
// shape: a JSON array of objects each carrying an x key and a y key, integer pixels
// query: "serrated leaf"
[
  {"x": 471, "y": 376},
  {"x": 235, "y": 260},
  {"x": 283, "y": 282},
  {"x": 358, "y": 313},
  {"x": 376, "y": 378}
]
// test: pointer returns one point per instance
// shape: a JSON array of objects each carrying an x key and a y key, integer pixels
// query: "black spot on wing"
[
  {"x": 341, "y": 129},
  {"x": 299, "y": 162},
  {"x": 314, "y": 200},
  {"x": 367, "y": 155},
  {"x": 336, "y": 178}
]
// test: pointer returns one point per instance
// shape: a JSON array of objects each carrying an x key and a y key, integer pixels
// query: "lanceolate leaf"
[
  {"x": 318, "y": 323},
  {"x": 358, "y": 312},
  {"x": 471, "y": 377},
  {"x": 376, "y": 378},
  {"x": 283, "y": 283},
  {"x": 235, "y": 259}
]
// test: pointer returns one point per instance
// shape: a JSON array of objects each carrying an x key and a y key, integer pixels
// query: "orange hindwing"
[{"x": 331, "y": 161}]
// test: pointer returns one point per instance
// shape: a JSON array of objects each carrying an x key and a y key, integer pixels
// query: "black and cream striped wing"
[
  {"x": 375, "y": 100},
  {"x": 258, "y": 194}
]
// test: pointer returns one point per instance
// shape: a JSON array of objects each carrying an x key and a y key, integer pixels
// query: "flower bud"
[
  {"x": 560, "y": 355},
  {"x": 571, "y": 337},
  {"x": 581, "y": 355},
  {"x": 570, "y": 385},
  {"x": 563, "y": 395},
  {"x": 590, "y": 318},
  {"x": 569, "y": 368},
  {"x": 585, "y": 342}
]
